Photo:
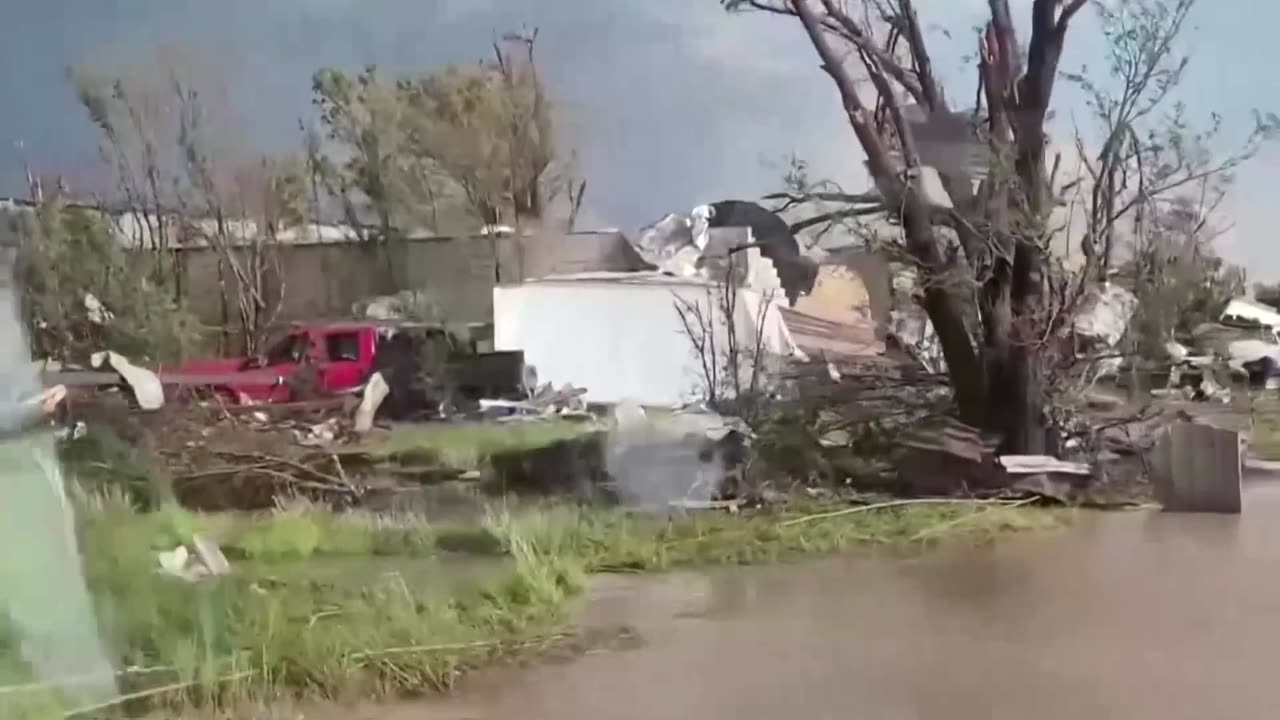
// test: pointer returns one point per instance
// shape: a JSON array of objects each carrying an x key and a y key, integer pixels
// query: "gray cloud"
[{"x": 670, "y": 102}]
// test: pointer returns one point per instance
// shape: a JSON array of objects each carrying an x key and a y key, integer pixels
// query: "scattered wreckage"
[
  {"x": 1247, "y": 337},
  {"x": 427, "y": 369},
  {"x": 325, "y": 359},
  {"x": 574, "y": 346},
  {"x": 1243, "y": 344}
]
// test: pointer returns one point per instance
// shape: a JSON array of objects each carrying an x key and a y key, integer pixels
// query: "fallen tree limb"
[
  {"x": 897, "y": 503},
  {"x": 448, "y": 647},
  {"x": 144, "y": 694},
  {"x": 294, "y": 481},
  {"x": 264, "y": 459},
  {"x": 987, "y": 509}
]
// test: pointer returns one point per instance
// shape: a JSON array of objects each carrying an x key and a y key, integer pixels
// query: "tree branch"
[
  {"x": 796, "y": 198},
  {"x": 930, "y": 91},
  {"x": 862, "y": 40},
  {"x": 835, "y": 215},
  {"x": 1007, "y": 39},
  {"x": 1071, "y": 9},
  {"x": 883, "y": 169}
]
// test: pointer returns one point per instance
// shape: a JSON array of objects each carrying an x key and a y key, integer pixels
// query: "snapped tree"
[{"x": 996, "y": 293}]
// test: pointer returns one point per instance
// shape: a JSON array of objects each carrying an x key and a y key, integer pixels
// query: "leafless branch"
[{"x": 828, "y": 217}]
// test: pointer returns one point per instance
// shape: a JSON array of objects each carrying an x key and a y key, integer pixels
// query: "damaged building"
[{"x": 623, "y": 335}]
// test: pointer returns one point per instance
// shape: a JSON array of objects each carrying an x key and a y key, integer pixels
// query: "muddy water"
[{"x": 1134, "y": 615}]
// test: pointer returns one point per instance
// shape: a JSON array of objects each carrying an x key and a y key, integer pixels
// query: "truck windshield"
[{"x": 289, "y": 349}]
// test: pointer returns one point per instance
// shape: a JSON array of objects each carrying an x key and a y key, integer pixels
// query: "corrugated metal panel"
[
  {"x": 956, "y": 439},
  {"x": 833, "y": 341}
]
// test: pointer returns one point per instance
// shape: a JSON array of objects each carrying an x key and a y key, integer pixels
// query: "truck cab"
[
  {"x": 312, "y": 358},
  {"x": 334, "y": 358}
]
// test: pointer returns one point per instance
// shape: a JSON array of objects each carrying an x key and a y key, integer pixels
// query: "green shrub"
[
  {"x": 71, "y": 252},
  {"x": 281, "y": 535}
]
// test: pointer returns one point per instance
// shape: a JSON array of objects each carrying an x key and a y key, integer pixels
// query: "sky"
[{"x": 669, "y": 103}]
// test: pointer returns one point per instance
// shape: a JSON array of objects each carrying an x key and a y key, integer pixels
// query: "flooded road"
[{"x": 1125, "y": 615}]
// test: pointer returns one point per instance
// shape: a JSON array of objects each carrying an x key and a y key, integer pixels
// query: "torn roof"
[
  {"x": 699, "y": 242},
  {"x": 835, "y": 342}
]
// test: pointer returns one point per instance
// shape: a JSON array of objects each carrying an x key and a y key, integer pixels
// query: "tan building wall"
[{"x": 325, "y": 280}]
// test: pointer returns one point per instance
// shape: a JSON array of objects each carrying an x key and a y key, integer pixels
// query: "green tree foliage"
[
  {"x": 1179, "y": 280},
  {"x": 364, "y": 163},
  {"x": 71, "y": 254},
  {"x": 481, "y": 137}
]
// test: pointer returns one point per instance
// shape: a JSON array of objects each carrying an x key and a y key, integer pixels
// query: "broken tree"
[
  {"x": 996, "y": 295},
  {"x": 1000, "y": 227}
]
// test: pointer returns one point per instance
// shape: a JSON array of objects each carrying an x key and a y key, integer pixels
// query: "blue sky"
[{"x": 671, "y": 103}]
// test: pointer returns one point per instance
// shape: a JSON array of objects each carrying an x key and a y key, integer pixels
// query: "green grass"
[
  {"x": 1263, "y": 410},
  {"x": 470, "y": 445},
  {"x": 272, "y": 628},
  {"x": 287, "y": 623},
  {"x": 1264, "y": 441},
  {"x": 617, "y": 540}
]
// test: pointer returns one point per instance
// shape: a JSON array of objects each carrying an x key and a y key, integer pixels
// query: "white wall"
[{"x": 618, "y": 340}]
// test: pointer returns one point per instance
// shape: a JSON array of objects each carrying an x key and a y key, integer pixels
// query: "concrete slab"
[{"x": 1198, "y": 468}]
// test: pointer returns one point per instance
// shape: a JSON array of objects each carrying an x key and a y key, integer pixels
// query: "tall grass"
[
  {"x": 469, "y": 445},
  {"x": 606, "y": 540},
  {"x": 274, "y": 628}
]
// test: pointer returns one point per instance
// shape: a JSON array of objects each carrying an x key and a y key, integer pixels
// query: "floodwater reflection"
[{"x": 1125, "y": 615}]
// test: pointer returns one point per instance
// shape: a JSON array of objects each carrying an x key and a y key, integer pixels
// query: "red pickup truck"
[
  {"x": 341, "y": 354},
  {"x": 333, "y": 358}
]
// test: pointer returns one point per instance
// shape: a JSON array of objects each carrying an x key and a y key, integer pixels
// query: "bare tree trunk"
[
  {"x": 224, "y": 311},
  {"x": 946, "y": 314}
]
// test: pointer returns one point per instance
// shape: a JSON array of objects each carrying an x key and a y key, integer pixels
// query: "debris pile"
[
  {"x": 249, "y": 461},
  {"x": 686, "y": 459},
  {"x": 545, "y": 401},
  {"x": 951, "y": 458}
]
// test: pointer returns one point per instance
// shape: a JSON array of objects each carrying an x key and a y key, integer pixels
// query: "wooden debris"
[
  {"x": 1047, "y": 476},
  {"x": 952, "y": 458}
]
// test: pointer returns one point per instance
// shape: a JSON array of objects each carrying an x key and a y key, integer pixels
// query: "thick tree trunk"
[
  {"x": 1014, "y": 404},
  {"x": 946, "y": 313},
  {"x": 997, "y": 385},
  {"x": 1014, "y": 398},
  {"x": 963, "y": 367}
]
